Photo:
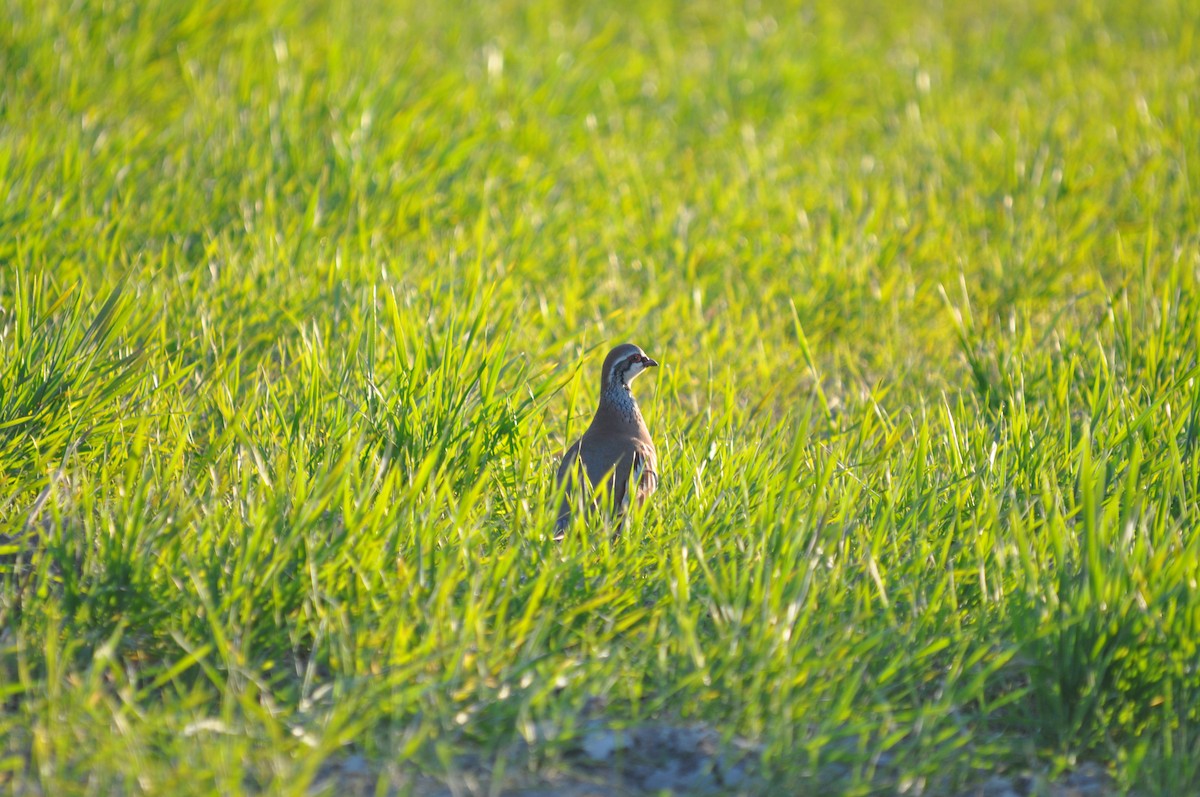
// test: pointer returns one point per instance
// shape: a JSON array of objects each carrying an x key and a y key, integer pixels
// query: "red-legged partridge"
[{"x": 616, "y": 451}]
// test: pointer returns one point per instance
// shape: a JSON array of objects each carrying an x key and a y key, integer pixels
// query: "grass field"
[{"x": 299, "y": 303}]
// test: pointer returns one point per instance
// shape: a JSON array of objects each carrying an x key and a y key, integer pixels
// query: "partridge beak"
[{"x": 646, "y": 361}]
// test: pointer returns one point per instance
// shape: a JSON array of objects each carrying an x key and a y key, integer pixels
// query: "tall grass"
[{"x": 300, "y": 302}]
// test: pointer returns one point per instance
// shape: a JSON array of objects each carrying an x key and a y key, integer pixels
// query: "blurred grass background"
[{"x": 300, "y": 301}]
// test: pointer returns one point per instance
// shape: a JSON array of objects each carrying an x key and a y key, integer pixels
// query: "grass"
[{"x": 300, "y": 302}]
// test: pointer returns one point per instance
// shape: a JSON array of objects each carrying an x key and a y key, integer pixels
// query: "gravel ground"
[{"x": 657, "y": 759}]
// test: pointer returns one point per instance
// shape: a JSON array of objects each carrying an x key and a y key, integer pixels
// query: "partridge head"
[{"x": 615, "y": 458}]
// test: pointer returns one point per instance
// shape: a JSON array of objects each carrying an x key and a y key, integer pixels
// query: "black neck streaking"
[{"x": 619, "y": 398}]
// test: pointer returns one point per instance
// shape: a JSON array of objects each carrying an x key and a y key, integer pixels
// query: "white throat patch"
[{"x": 623, "y": 371}]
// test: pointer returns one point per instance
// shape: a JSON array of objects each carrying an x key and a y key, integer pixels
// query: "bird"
[{"x": 616, "y": 453}]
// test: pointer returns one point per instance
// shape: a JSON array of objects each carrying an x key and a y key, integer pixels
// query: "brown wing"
[
  {"x": 643, "y": 474},
  {"x": 569, "y": 471},
  {"x": 616, "y": 463},
  {"x": 646, "y": 467}
]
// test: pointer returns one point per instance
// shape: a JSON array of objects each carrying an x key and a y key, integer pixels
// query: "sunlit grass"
[{"x": 300, "y": 302}]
